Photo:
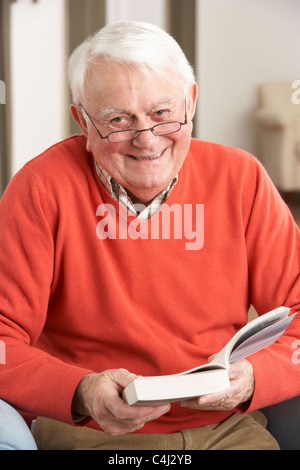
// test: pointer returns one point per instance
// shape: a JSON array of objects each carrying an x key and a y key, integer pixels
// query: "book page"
[
  {"x": 256, "y": 328},
  {"x": 251, "y": 330},
  {"x": 260, "y": 340}
]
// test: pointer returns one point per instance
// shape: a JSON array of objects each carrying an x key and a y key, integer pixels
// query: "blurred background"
[{"x": 246, "y": 54}]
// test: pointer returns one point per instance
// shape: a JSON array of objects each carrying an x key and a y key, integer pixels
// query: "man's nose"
[{"x": 144, "y": 136}]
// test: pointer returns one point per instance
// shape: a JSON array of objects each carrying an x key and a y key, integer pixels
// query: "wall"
[
  {"x": 37, "y": 77},
  {"x": 137, "y": 10},
  {"x": 242, "y": 43}
]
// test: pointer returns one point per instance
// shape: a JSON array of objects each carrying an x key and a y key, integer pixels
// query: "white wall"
[
  {"x": 136, "y": 10},
  {"x": 37, "y": 77},
  {"x": 242, "y": 43}
]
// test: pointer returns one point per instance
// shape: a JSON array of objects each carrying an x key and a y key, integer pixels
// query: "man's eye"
[
  {"x": 162, "y": 113},
  {"x": 120, "y": 121},
  {"x": 117, "y": 120}
]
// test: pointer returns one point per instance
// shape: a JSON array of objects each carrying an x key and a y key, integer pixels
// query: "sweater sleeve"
[
  {"x": 30, "y": 379},
  {"x": 273, "y": 246}
]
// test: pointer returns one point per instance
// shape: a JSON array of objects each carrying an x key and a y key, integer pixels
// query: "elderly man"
[{"x": 133, "y": 249}]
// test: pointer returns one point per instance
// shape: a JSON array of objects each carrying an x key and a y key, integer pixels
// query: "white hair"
[{"x": 129, "y": 43}]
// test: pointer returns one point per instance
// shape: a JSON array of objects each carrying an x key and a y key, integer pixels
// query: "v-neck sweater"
[{"x": 85, "y": 286}]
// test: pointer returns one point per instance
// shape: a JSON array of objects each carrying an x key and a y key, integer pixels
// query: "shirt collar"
[{"x": 119, "y": 193}]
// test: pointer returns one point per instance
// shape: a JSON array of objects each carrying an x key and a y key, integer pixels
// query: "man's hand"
[
  {"x": 241, "y": 390},
  {"x": 98, "y": 396}
]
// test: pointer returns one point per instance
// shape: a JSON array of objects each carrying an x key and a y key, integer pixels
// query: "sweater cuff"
[{"x": 60, "y": 397}]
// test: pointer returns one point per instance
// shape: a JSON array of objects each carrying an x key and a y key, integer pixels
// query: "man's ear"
[
  {"x": 192, "y": 100},
  {"x": 78, "y": 117}
]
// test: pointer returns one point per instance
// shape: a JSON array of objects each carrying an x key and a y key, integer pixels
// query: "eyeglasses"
[{"x": 131, "y": 134}]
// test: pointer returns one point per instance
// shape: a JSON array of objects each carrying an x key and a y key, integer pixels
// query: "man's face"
[{"x": 124, "y": 98}]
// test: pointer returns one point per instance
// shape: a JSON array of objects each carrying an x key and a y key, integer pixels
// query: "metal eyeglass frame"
[{"x": 137, "y": 132}]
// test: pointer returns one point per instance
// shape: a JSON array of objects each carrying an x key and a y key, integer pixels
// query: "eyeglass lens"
[{"x": 159, "y": 129}]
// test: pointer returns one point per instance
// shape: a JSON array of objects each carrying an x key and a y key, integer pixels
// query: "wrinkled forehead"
[{"x": 111, "y": 80}]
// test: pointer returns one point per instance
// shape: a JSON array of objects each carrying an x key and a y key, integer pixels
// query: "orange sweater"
[{"x": 78, "y": 293}]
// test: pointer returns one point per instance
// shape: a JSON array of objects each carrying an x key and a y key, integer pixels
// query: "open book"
[{"x": 212, "y": 377}]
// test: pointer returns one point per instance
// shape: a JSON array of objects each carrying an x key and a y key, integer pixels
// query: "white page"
[{"x": 261, "y": 340}]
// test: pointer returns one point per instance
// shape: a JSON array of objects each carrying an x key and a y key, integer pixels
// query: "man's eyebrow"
[{"x": 105, "y": 114}]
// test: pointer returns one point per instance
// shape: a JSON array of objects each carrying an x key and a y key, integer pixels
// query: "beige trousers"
[{"x": 239, "y": 432}]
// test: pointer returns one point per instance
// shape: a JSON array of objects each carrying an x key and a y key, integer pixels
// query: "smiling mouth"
[{"x": 152, "y": 157}]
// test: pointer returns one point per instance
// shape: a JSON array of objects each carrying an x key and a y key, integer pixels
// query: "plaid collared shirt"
[{"x": 118, "y": 192}]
